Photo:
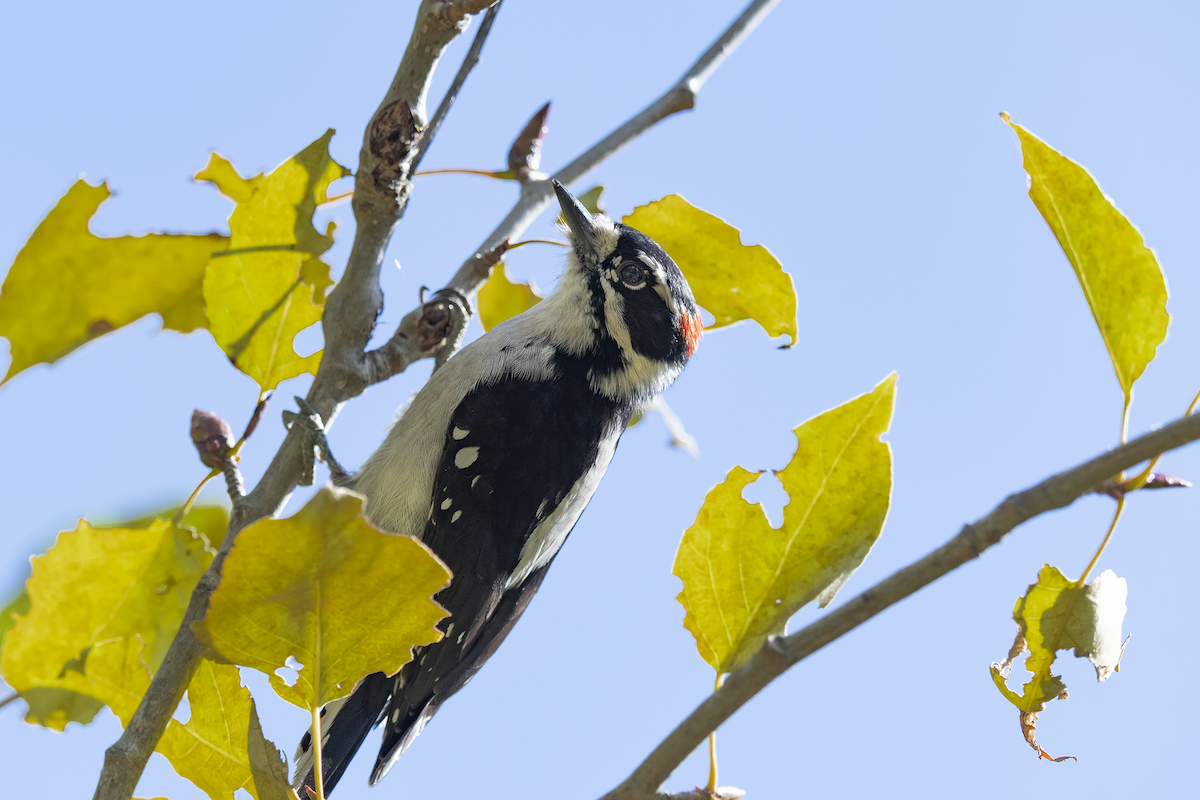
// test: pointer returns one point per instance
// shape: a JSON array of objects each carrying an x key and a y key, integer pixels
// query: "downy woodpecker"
[{"x": 497, "y": 456}]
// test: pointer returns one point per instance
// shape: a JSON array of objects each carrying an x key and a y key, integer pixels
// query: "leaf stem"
[
  {"x": 1191, "y": 407},
  {"x": 712, "y": 746},
  {"x": 316, "y": 740},
  {"x": 9, "y": 699},
  {"x": 463, "y": 171},
  {"x": 187, "y": 505},
  {"x": 1112, "y": 527},
  {"x": 537, "y": 241},
  {"x": 1140, "y": 481},
  {"x": 1125, "y": 417}
]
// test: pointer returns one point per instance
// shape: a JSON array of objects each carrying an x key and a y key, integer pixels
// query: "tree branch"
[
  {"x": 469, "y": 62},
  {"x": 394, "y": 140},
  {"x": 537, "y": 195},
  {"x": 780, "y": 653},
  {"x": 381, "y": 194}
]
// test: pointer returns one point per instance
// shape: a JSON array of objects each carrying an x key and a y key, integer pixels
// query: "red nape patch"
[{"x": 693, "y": 330}]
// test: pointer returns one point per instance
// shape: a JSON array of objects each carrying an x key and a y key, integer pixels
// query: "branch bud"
[
  {"x": 525, "y": 156},
  {"x": 212, "y": 437}
]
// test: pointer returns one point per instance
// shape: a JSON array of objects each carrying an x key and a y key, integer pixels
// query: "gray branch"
[
  {"x": 538, "y": 195},
  {"x": 780, "y": 653},
  {"x": 394, "y": 140},
  {"x": 381, "y": 193}
]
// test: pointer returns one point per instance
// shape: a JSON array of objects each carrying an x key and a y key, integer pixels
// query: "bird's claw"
[{"x": 315, "y": 444}]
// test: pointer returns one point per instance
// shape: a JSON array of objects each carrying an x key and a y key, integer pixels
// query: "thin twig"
[
  {"x": 537, "y": 195},
  {"x": 381, "y": 192},
  {"x": 468, "y": 64},
  {"x": 780, "y": 653},
  {"x": 9, "y": 699}
]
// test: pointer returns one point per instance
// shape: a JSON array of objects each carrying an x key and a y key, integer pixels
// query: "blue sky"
[{"x": 861, "y": 143}]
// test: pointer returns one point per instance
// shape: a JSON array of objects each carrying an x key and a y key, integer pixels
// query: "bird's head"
[{"x": 639, "y": 323}]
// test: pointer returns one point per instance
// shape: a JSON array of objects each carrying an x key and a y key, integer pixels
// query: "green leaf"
[
  {"x": 268, "y": 765},
  {"x": 592, "y": 201},
  {"x": 53, "y": 708},
  {"x": 743, "y": 579},
  {"x": 271, "y": 283},
  {"x": 18, "y": 605},
  {"x": 220, "y": 173},
  {"x": 500, "y": 299},
  {"x": 1054, "y": 615},
  {"x": 325, "y": 588},
  {"x": 68, "y": 286},
  {"x": 1120, "y": 276},
  {"x": 732, "y": 281},
  {"x": 99, "y": 585}
]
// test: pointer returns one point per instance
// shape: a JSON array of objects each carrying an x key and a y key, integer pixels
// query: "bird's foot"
[{"x": 315, "y": 444}]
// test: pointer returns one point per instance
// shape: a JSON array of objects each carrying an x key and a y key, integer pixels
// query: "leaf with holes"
[
  {"x": 730, "y": 280},
  {"x": 67, "y": 286},
  {"x": 270, "y": 284},
  {"x": 229, "y": 182},
  {"x": 742, "y": 578},
  {"x": 99, "y": 585},
  {"x": 210, "y": 749},
  {"x": 501, "y": 299},
  {"x": 1120, "y": 276},
  {"x": 342, "y": 598},
  {"x": 1054, "y": 615}
]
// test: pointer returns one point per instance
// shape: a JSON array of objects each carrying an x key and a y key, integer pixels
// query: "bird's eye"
[{"x": 632, "y": 274}]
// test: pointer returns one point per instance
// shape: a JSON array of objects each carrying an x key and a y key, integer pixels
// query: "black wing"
[{"x": 513, "y": 451}]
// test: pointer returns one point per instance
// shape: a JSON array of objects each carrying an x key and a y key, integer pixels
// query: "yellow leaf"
[
  {"x": 342, "y": 598},
  {"x": 220, "y": 173},
  {"x": 53, "y": 707},
  {"x": 211, "y": 749},
  {"x": 1120, "y": 276},
  {"x": 1054, "y": 615},
  {"x": 268, "y": 765},
  {"x": 501, "y": 299},
  {"x": 743, "y": 579},
  {"x": 68, "y": 286},
  {"x": 270, "y": 284},
  {"x": 101, "y": 585},
  {"x": 730, "y": 280}
]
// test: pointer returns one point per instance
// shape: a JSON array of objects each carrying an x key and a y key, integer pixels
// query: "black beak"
[{"x": 579, "y": 220}]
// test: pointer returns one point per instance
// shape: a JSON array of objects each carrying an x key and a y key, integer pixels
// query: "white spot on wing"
[
  {"x": 457, "y": 514},
  {"x": 459, "y": 433},
  {"x": 466, "y": 457},
  {"x": 447, "y": 503},
  {"x": 474, "y": 481},
  {"x": 550, "y": 534}
]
